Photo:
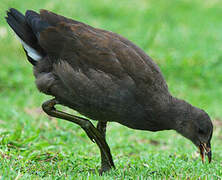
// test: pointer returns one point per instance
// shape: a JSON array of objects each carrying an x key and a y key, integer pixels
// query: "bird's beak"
[{"x": 205, "y": 149}]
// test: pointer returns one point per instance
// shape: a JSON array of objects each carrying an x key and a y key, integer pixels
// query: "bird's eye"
[{"x": 201, "y": 131}]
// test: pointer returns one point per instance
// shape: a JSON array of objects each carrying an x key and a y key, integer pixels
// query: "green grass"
[{"x": 185, "y": 39}]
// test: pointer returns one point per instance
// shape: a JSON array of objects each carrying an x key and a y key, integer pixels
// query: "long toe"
[{"x": 105, "y": 168}]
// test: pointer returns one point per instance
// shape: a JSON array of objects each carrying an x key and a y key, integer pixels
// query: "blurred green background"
[{"x": 183, "y": 37}]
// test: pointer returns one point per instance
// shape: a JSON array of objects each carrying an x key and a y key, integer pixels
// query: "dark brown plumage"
[{"x": 105, "y": 77}]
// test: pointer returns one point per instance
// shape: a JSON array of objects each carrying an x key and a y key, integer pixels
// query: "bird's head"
[{"x": 199, "y": 129}]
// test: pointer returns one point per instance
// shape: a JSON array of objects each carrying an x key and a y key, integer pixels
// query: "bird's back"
[{"x": 98, "y": 73}]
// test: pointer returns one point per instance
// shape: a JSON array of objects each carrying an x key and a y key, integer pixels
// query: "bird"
[{"x": 104, "y": 77}]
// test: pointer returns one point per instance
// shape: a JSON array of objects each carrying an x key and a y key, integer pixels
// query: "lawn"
[{"x": 183, "y": 37}]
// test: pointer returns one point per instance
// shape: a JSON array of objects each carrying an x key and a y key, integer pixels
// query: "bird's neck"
[{"x": 175, "y": 114}]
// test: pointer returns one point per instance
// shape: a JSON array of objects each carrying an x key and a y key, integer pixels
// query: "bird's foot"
[
  {"x": 95, "y": 136},
  {"x": 91, "y": 131},
  {"x": 105, "y": 168}
]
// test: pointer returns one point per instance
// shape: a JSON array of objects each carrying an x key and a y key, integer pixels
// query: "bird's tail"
[{"x": 27, "y": 28}]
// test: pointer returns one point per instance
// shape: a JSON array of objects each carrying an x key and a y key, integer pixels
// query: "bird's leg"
[
  {"x": 93, "y": 133},
  {"x": 106, "y": 164}
]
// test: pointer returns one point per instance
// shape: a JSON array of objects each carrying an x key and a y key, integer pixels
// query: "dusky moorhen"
[{"x": 105, "y": 77}]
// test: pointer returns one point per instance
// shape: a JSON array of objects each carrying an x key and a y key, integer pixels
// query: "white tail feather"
[{"x": 30, "y": 51}]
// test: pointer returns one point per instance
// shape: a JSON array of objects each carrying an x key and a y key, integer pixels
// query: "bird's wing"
[
  {"x": 81, "y": 44},
  {"x": 54, "y": 19},
  {"x": 154, "y": 73}
]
